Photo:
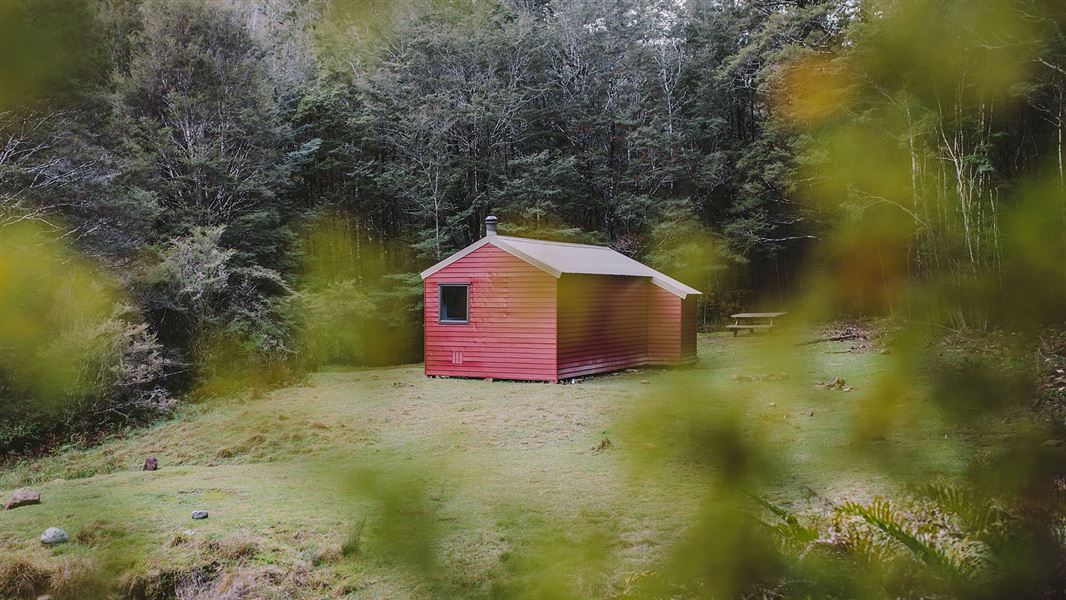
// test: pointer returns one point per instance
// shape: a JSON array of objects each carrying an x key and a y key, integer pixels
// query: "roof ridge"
[{"x": 555, "y": 243}]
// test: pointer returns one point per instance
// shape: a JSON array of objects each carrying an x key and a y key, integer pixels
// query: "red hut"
[{"x": 518, "y": 308}]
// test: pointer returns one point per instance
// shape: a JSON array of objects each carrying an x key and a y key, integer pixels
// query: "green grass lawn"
[{"x": 314, "y": 490}]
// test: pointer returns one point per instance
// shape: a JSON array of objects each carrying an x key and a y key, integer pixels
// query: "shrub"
[
  {"x": 119, "y": 382},
  {"x": 230, "y": 322}
]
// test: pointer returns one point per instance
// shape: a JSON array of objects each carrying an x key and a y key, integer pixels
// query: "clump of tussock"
[
  {"x": 65, "y": 578},
  {"x": 76, "y": 579},
  {"x": 248, "y": 445},
  {"x": 246, "y": 583},
  {"x": 231, "y": 549},
  {"x": 163, "y": 584},
  {"x": 22, "y": 576},
  {"x": 353, "y": 542},
  {"x": 323, "y": 555}
]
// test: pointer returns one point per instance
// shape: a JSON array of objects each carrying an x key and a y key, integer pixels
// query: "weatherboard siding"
[
  {"x": 511, "y": 329},
  {"x": 602, "y": 324},
  {"x": 689, "y": 324},
  {"x": 664, "y": 327}
]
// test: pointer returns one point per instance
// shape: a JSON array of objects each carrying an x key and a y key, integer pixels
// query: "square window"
[{"x": 454, "y": 303}]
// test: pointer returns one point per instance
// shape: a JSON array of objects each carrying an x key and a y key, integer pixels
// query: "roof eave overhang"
[
  {"x": 455, "y": 257},
  {"x": 677, "y": 290}
]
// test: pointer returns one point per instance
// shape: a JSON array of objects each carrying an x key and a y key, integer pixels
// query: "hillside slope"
[{"x": 314, "y": 490}]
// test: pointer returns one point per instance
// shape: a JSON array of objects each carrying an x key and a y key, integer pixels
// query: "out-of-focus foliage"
[
  {"x": 71, "y": 356},
  {"x": 926, "y": 161},
  {"x": 350, "y": 309},
  {"x": 43, "y": 46}
]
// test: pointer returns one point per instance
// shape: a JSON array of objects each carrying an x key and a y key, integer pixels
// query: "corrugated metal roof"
[{"x": 558, "y": 258}]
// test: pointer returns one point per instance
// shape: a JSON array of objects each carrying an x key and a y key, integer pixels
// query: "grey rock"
[
  {"x": 22, "y": 497},
  {"x": 199, "y": 514},
  {"x": 54, "y": 535}
]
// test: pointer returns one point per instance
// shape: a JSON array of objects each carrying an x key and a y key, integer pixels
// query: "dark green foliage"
[{"x": 566, "y": 130}]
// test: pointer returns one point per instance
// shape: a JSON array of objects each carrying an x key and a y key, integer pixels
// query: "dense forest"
[{"x": 200, "y": 194}]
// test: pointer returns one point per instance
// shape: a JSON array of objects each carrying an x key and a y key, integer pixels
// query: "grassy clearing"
[{"x": 298, "y": 482}]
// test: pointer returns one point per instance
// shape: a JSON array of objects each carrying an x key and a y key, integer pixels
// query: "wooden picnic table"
[{"x": 753, "y": 321}]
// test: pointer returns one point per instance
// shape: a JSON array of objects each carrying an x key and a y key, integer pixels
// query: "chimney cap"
[{"x": 490, "y": 225}]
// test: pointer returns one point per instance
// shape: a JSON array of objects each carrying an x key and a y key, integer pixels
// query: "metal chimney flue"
[{"x": 490, "y": 225}]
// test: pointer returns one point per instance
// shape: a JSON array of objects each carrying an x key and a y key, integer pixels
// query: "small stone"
[
  {"x": 772, "y": 404},
  {"x": 151, "y": 464},
  {"x": 199, "y": 514},
  {"x": 54, "y": 535},
  {"x": 45, "y": 597},
  {"x": 488, "y": 379},
  {"x": 22, "y": 497},
  {"x": 644, "y": 381},
  {"x": 886, "y": 351}
]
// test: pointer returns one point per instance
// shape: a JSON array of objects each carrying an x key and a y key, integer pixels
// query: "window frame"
[{"x": 440, "y": 304}]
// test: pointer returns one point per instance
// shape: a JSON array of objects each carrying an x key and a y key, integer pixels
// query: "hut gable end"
[{"x": 510, "y": 329}]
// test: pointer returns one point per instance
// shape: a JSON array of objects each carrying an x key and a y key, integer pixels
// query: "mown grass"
[{"x": 481, "y": 468}]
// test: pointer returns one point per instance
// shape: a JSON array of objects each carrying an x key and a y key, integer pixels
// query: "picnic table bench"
[{"x": 753, "y": 321}]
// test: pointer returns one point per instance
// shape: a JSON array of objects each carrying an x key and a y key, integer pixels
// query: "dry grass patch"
[
  {"x": 29, "y": 574},
  {"x": 23, "y": 576}
]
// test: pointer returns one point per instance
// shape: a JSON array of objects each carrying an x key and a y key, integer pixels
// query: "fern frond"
[
  {"x": 979, "y": 517},
  {"x": 881, "y": 515},
  {"x": 790, "y": 529}
]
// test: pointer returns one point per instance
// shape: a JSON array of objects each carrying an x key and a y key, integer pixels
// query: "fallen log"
[{"x": 836, "y": 338}]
